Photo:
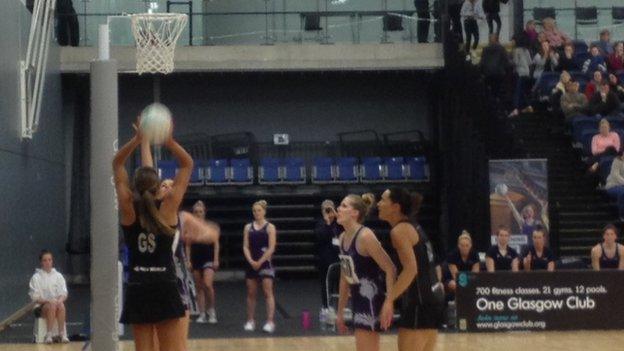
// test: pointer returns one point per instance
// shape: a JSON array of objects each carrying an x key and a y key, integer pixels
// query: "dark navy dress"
[
  {"x": 421, "y": 306},
  {"x": 367, "y": 283},
  {"x": 202, "y": 256},
  {"x": 151, "y": 294},
  {"x": 610, "y": 262},
  {"x": 258, "y": 244}
]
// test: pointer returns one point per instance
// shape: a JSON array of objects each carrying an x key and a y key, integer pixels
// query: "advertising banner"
[
  {"x": 535, "y": 301},
  {"x": 519, "y": 199}
]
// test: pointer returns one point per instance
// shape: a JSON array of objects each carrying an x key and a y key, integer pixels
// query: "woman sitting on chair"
[{"x": 49, "y": 290}]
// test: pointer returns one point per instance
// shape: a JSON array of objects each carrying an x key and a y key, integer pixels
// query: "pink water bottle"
[{"x": 306, "y": 322}]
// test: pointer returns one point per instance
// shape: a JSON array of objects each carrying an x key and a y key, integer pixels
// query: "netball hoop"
[{"x": 156, "y": 35}]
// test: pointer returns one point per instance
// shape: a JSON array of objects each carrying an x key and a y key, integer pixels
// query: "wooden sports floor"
[{"x": 546, "y": 341}]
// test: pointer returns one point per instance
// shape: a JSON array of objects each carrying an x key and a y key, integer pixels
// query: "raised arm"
[
  {"x": 171, "y": 203},
  {"x": 122, "y": 182},
  {"x": 272, "y": 244},
  {"x": 146, "y": 154}
]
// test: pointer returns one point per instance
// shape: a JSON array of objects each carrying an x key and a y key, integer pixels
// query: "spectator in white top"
[
  {"x": 472, "y": 11},
  {"x": 48, "y": 289}
]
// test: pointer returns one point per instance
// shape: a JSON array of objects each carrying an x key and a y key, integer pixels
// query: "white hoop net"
[{"x": 156, "y": 35}]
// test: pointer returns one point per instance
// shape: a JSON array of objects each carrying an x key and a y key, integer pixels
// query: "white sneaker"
[
  {"x": 269, "y": 327},
  {"x": 64, "y": 339},
  {"x": 212, "y": 316},
  {"x": 250, "y": 326},
  {"x": 48, "y": 339},
  {"x": 201, "y": 319}
]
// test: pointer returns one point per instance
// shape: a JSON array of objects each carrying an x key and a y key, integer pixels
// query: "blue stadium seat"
[
  {"x": 581, "y": 124},
  {"x": 546, "y": 83},
  {"x": 586, "y": 140},
  {"x": 395, "y": 169},
  {"x": 294, "y": 170},
  {"x": 241, "y": 171},
  {"x": 347, "y": 170},
  {"x": 197, "y": 177},
  {"x": 616, "y": 122},
  {"x": 581, "y": 78},
  {"x": 371, "y": 170},
  {"x": 269, "y": 171},
  {"x": 580, "y": 46},
  {"x": 217, "y": 172},
  {"x": 416, "y": 168},
  {"x": 323, "y": 170},
  {"x": 166, "y": 169},
  {"x": 580, "y": 58}
]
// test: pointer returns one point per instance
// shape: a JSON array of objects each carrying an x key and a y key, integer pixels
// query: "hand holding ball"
[{"x": 156, "y": 123}]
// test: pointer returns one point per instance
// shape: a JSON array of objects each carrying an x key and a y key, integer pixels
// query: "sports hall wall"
[
  {"x": 32, "y": 197},
  {"x": 312, "y": 106}
]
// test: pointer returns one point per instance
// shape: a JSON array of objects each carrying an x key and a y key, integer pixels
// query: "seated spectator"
[
  {"x": 555, "y": 37},
  {"x": 615, "y": 182},
  {"x": 567, "y": 61},
  {"x": 522, "y": 65},
  {"x": 593, "y": 85},
  {"x": 604, "y": 44},
  {"x": 546, "y": 60},
  {"x": 605, "y": 143},
  {"x": 538, "y": 257},
  {"x": 616, "y": 86},
  {"x": 573, "y": 103},
  {"x": 596, "y": 62},
  {"x": 559, "y": 90},
  {"x": 494, "y": 64},
  {"x": 48, "y": 289},
  {"x": 615, "y": 61},
  {"x": 604, "y": 102},
  {"x": 463, "y": 259},
  {"x": 501, "y": 257},
  {"x": 608, "y": 254}
]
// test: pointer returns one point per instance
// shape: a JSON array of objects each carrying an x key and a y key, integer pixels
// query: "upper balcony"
[{"x": 259, "y": 35}]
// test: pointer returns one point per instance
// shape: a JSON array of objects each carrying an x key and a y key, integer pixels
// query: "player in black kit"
[
  {"x": 420, "y": 295},
  {"x": 152, "y": 303}
]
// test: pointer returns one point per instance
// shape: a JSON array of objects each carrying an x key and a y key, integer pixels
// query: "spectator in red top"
[
  {"x": 593, "y": 85},
  {"x": 615, "y": 61},
  {"x": 605, "y": 143}
]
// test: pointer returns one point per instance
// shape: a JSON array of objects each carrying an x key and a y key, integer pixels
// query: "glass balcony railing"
[
  {"x": 258, "y": 22},
  {"x": 580, "y": 19}
]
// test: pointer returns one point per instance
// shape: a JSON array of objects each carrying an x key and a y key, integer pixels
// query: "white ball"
[{"x": 156, "y": 123}]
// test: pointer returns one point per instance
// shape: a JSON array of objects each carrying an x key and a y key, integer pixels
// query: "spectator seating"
[
  {"x": 580, "y": 46},
  {"x": 217, "y": 172},
  {"x": 166, "y": 169},
  {"x": 241, "y": 171},
  {"x": 197, "y": 177},
  {"x": 539, "y": 13},
  {"x": 269, "y": 171},
  {"x": 323, "y": 170},
  {"x": 347, "y": 170},
  {"x": 586, "y": 139},
  {"x": 371, "y": 169},
  {"x": 581, "y": 78},
  {"x": 395, "y": 169},
  {"x": 294, "y": 170},
  {"x": 581, "y": 57},
  {"x": 416, "y": 168},
  {"x": 545, "y": 84},
  {"x": 582, "y": 123}
]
